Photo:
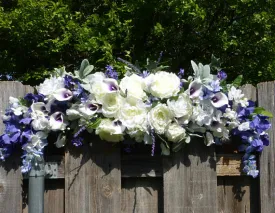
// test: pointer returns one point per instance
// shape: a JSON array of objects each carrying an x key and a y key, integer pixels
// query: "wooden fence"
[{"x": 101, "y": 178}]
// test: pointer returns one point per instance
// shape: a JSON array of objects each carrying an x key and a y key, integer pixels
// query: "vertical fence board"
[
  {"x": 266, "y": 99},
  {"x": 237, "y": 194},
  {"x": 93, "y": 179},
  {"x": 190, "y": 180},
  {"x": 141, "y": 195},
  {"x": 10, "y": 172}
]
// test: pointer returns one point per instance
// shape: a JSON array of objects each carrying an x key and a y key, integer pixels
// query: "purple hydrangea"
[{"x": 33, "y": 98}]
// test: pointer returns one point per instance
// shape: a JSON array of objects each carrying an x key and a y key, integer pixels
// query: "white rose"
[
  {"x": 50, "y": 86},
  {"x": 175, "y": 133},
  {"x": 134, "y": 86},
  {"x": 159, "y": 117},
  {"x": 164, "y": 84},
  {"x": 133, "y": 115},
  {"x": 110, "y": 131},
  {"x": 181, "y": 108},
  {"x": 111, "y": 103}
]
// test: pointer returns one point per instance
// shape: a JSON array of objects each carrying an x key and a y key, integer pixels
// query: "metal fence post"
[{"x": 36, "y": 188}]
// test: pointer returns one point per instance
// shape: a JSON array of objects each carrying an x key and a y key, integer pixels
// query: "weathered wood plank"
[
  {"x": 229, "y": 165},
  {"x": 93, "y": 179},
  {"x": 141, "y": 166},
  {"x": 237, "y": 194},
  {"x": 142, "y": 195},
  {"x": 53, "y": 197},
  {"x": 266, "y": 99},
  {"x": 190, "y": 180},
  {"x": 250, "y": 92},
  {"x": 10, "y": 172}
]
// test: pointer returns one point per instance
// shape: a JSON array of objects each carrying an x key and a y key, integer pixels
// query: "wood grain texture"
[
  {"x": 10, "y": 172},
  {"x": 93, "y": 179},
  {"x": 266, "y": 99},
  {"x": 53, "y": 197},
  {"x": 237, "y": 195},
  {"x": 250, "y": 92},
  {"x": 190, "y": 180},
  {"x": 229, "y": 165},
  {"x": 142, "y": 195}
]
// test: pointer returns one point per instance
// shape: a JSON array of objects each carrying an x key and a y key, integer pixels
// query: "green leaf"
[
  {"x": 262, "y": 111},
  {"x": 238, "y": 81},
  {"x": 178, "y": 146},
  {"x": 95, "y": 124},
  {"x": 215, "y": 63}
]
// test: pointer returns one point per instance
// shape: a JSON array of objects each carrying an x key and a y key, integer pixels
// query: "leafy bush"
[{"x": 36, "y": 36}]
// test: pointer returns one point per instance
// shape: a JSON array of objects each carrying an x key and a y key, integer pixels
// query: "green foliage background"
[{"x": 36, "y": 36}]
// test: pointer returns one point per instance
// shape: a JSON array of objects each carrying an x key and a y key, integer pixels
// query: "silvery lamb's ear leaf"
[
  {"x": 88, "y": 70},
  {"x": 84, "y": 64},
  {"x": 195, "y": 68},
  {"x": 164, "y": 149},
  {"x": 76, "y": 73},
  {"x": 60, "y": 71},
  {"x": 205, "y": 72}
]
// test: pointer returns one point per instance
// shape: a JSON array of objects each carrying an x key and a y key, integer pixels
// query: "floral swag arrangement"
[{"x": 143, "y": 105}]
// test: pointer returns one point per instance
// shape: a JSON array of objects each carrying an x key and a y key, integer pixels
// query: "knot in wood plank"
[{"x": 107, "y": 191}]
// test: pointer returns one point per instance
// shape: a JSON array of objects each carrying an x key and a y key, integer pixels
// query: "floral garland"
[{"x": 143, "y": 105}]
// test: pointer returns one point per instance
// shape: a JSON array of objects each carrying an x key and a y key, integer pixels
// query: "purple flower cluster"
[
  {"x": 74, "y": 85},
  {"x": 17, "y": 132},
  {"x": 254, "y": 138},
  {"x": 110, "y": 72}
]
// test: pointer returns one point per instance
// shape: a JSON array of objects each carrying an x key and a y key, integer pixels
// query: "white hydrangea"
[
  {"x": 237, "y": 97},
  {"x": 16, "y": 107},
  {"x": 40, "y": 122},
  {"x": 50, "y": 86}
]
